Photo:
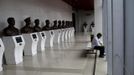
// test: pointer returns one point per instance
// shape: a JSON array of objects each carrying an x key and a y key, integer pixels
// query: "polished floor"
[{"x": 64, "y": 59}]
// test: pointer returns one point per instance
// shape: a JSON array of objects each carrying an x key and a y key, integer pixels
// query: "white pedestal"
[
  {"x": 48, "y": 36},
  {"x": 72, "y": 32},
  {"x": 41, "y": 42},
  {"x": 69, "y": 34},
  {"x": 31, "y": 43},
  {"x": 63, "y": 35},
  {"x": 85, "y": 30},
  {"x": 52, "y": 34},
  {"x": 2, "y": 48},
  {"x": 56, "y": 36},
  {"x": 65, "y": 38},
  {"x": 14, "y": 46},
  {"x": 59, "y": 35}
]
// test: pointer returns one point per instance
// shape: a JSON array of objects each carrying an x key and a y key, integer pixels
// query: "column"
[
  {"x": 114, "y": 34},
  {"x": 107, "y": 33},
  {"x": 129, "y": 37}
]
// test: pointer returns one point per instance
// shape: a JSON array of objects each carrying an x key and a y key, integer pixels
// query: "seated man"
[
  {"x": 11, "y": 30},
  {"x": 98, "y": 45}
]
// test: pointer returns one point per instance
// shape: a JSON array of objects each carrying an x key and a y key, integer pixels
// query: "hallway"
[{"x": 63, "y": 59}]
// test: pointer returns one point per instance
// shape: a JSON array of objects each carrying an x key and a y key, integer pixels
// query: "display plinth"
[
  {"x": 66, "y": 34},
  {"x": 69, "y": 34},
  {"x": 41, "y": 42},
  {"x": 59, "y": 35},
  {"x": 56, "y": 36},
  {"x": 52, "y": 34},
  {"x": 14, "y": 46},
  {"x": 63, "y": 35},
  {"x": 2, "y": 48},
  {"x": 31, "y": 43},
  {"x": 48, "y": 36}
]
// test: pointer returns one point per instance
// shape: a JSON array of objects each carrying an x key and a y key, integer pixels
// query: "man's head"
[
  {"x": 28, "y": 21},
  {"x": 63, "y": 22},
  {"x": 55, "y": 22},
  {"x": 59, "y": 22},
  {"x": 47, "y": 22},
  {"x": 37, "y": 22},
  {"x": 66, "y": 23},
  {"x": 11, "y": 21},
  {"x": 99, "y": 35}
]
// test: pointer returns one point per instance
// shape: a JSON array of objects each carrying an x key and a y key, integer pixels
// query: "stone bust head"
[
  {"x": 27, "y": 28},
  {"x": 11, "y": 30},
  {"x": 11, "y": 21},
  {"x": 37, "y": 28},
  {"x": 37, "y": 22},
  {"x": 27, "y": 21},
  {"x": 47, "y": 23}
]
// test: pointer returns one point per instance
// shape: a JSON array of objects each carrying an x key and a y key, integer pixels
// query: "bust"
[
  {"x": 92, "y": 24},
  {"x": 84, "y": 27},
  {"x": 55, "y": 24},
  {"x": 72, "y": 24},
  {"x": 59, "y": 24},
  {"x": 92, "y": 27},
  {"x": 46, "y": 27},
  {"x": 67, "y": 24},
  {"x": 85, "y": 24},
  {"x": 36, "y": 28},
  {"x": 27, "y": 28},
  {"x": 11, "y": 30},
  {"x": 63, "y": 23}
]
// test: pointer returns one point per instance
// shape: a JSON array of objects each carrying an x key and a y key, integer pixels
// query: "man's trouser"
[{"x": 101, "y": 49}]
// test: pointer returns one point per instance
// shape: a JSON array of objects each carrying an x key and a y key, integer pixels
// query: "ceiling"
[{"x": 81, "y": 4}]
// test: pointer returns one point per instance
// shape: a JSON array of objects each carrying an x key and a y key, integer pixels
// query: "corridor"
[{"x": 64, "y": 59}]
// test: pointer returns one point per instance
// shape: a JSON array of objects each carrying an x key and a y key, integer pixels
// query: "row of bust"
[{"x": 11, "y": 30}]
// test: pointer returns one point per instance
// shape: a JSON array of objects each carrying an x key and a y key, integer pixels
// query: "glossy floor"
[{"x": 64, "y": 59}]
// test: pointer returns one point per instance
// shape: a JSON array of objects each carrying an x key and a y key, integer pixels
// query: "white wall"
[
  {"x": 42, "y": 9},
  {"x": 98, "y": 16},
  {"x": 83, "y": 16}
]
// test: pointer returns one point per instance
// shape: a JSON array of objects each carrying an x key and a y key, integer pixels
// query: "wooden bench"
[{"x": 90, "y": 51}]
